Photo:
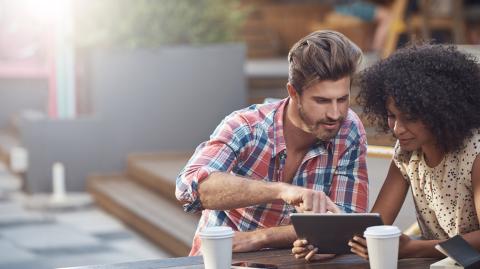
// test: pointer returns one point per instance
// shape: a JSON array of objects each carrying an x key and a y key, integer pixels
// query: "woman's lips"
[{"x": 405, "y": 140}]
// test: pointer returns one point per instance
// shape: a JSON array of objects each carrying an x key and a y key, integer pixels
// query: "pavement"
[{"x": 45, "y": 238}]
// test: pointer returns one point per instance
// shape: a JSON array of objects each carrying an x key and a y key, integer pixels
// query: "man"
[{"x": 303, "y": 153}]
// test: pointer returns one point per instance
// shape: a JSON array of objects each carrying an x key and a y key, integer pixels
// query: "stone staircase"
[
  {"x": 143, "y": 198},
  {"x": 13, "y": 170},
  {"x": 8, "y": 140}
]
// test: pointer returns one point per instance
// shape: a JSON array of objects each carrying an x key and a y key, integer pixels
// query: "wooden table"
[{"x": 282, "y": 258}]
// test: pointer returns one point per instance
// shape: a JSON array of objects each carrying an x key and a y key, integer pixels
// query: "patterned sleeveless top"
[{"x": 443, "y": 195}]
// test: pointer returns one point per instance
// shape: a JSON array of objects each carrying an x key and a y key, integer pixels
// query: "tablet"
[{"x": 331, "y": 232}]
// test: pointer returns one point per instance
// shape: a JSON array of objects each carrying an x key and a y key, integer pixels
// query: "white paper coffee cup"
[
  {"x": 382, "y": 245},
  {"x": 217, "y": 247}
]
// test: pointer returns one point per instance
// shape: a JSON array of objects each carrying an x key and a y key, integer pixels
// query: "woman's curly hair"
[{"x": 435, "y": 84}]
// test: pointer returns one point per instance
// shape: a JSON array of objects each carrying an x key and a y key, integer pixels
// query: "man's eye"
[{"x": 322, "y": 101}]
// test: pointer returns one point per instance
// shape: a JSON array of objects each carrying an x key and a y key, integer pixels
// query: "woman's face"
[{"x": 412, "y": 133}]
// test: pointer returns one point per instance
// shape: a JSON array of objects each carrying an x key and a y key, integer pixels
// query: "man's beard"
[{"x": 315, "y": 127}]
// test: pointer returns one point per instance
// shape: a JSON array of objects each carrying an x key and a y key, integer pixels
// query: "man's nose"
[{"x": 333, "y": 112}]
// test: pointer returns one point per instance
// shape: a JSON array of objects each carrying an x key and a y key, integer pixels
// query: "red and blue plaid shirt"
[{"x": 249, "y": 143}]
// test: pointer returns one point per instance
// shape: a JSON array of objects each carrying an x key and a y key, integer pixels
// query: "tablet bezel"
[{"x": 330, "y": 232}]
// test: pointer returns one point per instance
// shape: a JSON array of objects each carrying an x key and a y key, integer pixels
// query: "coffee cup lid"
[
  {"x": 216, "y": 232},
  {"x": 382, "y": 231}
]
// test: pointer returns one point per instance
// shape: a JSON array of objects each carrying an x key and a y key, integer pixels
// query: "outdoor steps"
[
  {"x": 8, "y": 140},
  {"x": 157, "y": 171},
  {"x": 144, "y": 199},
  {"x": 10, "y": 181}
]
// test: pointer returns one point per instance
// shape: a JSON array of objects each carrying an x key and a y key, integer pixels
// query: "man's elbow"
[{"x": 182, "y": 195}]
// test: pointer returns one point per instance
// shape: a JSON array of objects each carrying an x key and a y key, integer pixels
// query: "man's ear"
[{"x": 292, "y": 92}]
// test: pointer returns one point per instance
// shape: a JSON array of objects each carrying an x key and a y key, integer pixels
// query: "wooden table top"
[{"x": 282, "y": 258}]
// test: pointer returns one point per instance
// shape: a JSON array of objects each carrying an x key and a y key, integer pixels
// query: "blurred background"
[{"x": 103, "y": 101}]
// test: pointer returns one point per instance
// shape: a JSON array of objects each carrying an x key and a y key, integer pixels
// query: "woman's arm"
[
  {"x": 392, "y": 195},
  {"x": 426, "y": 248},
  {"x": 388, "y": 204},
  {"x": 473, "y": 238}
]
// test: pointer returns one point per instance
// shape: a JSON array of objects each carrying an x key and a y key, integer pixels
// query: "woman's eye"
[{"x": 410, "y": 119}]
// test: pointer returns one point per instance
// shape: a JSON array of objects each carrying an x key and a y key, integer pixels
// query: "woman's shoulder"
[
  {"x": 471, "y": 148},
  {"x": 401, "y": 156},
  {"x": 404, "y": 160},
  {"x": 473, "y": 143}
]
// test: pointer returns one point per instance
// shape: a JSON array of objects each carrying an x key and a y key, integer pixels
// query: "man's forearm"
[
  {"x": 274, "y": 237},
  {"x": 278, "y": 237},
  {"x": 224, "y": 191}
]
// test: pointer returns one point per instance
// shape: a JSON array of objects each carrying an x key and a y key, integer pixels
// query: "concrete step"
[
  {"x": 160, "y": 220},
  {"x": 157, "y": 171},
  {"x": 8, "y": 140}
]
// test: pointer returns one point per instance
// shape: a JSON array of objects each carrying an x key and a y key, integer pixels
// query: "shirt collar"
[{"x": 277, "y": 130}]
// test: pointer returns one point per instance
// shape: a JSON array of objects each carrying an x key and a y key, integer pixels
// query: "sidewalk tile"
[
  {"x": 52, "y": 236},
  {"x": 92, "y": 221}
]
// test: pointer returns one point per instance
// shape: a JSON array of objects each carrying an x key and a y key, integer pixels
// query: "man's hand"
[
  {"x": 248, "y": 241},
  {"x": 301, "y": 249},
  {"x": 307, "y": 200}
]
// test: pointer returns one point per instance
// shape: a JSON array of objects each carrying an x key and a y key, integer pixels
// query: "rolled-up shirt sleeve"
[{"x": 219, "y": 154}]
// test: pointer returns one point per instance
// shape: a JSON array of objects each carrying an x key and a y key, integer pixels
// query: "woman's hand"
[
  {"x": 405, "y": 246},
  {"x": 301, "y": 249},
  {"x": 359, "y": 246}
]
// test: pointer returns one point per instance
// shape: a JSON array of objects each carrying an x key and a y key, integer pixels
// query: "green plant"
[{"x": 150, "y": 23}]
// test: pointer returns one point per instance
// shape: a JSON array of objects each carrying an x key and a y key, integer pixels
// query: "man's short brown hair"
[{"x": 322, "y": 55}]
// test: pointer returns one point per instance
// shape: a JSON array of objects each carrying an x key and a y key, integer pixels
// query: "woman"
[{"x": 429, "y": 97}]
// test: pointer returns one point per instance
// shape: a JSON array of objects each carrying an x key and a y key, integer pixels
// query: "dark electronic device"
[{"x": 331, "y": 232}]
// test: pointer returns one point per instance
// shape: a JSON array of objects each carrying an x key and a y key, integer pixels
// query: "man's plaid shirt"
[{"x": 250, "y": 143}]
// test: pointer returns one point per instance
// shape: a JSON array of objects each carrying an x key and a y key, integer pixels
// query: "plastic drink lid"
[
  {"x": 216, "y": 232},
  {"x": 382, "y": 231}
]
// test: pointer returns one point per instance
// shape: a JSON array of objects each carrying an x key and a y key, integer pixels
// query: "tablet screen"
[{"x": 331, "y": 232}]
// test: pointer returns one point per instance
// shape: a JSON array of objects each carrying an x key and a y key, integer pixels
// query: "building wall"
[
  {"x": 143, "y": 101},
  {"x": 17, "y": 95}
]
